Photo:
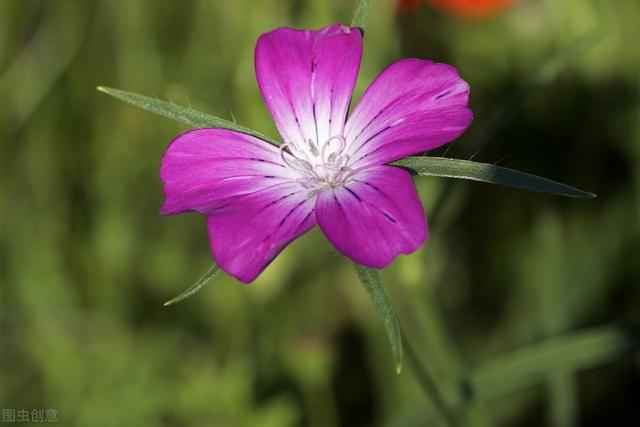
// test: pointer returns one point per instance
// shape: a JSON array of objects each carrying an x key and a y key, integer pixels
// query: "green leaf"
[
  {"x": 206, "y": 278},
  {"x": 569, "y": 353},
  {"x": 531, "y": 365},
  {"x": 361, "y": 14},
  {"x": 179, "y": 113},
  {"x": 424, "y": 166},
  {"x": 372, "y": 282},
  {"x": 491, "y": 174}
]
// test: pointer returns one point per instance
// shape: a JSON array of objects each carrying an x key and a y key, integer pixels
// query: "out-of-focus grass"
[{"x": 86, "y": 261}]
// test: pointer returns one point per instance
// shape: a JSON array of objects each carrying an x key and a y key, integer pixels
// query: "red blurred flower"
[
  {"x": 463, "y": 8},
  {"x": 472, "y": 8}
]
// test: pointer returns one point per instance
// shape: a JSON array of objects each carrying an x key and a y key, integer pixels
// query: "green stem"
[
  {"x": 372, "y": 283},
  {"x": 425, "y": 325},
  {"x": 430, "y": 387}
]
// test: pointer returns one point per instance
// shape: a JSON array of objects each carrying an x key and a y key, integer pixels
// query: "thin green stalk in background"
[
  {"x": 567, "y": 353},
  {"x": 430, "y": 387},
  {"x": 372, "y": 283},
  {"x": 545, "y": 75},
  {"x": 425, "y": 323}
]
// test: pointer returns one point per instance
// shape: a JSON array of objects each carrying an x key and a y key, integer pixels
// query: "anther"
[
  {"x": 313, "y": 148},
  {"x": 320, "y": 166}
]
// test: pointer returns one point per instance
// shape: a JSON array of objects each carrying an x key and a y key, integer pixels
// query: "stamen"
[
  {"x": 341, "y": 147},
  {"x": 320, "y": 166},
  {"x": 312, "y": 147},
  {"x": 353, "y": 172},
  {"x": 296, "y": 163}
]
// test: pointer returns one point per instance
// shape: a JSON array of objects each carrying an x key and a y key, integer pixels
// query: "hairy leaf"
[
  {"x": 179, "y": 113},
  {"x": 202, "y": 281},
  {"x": 372, "y": 283},
  {"x": 484, "y": 172}
]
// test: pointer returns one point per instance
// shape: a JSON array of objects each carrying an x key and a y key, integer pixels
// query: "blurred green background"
[{"x": 523, "y": 307}]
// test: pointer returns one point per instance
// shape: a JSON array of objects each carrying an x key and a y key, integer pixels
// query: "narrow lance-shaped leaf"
[
  {"x": 372, "y": 283},
  {"x": 530, "y": 365},
  {"x": 424, "y": 166},
  {"x": 484, "y": 172},
  {"x": 179, "y": 113},
  {"x": 570, "y": 352},
  {"x": 206, "y": 278}
]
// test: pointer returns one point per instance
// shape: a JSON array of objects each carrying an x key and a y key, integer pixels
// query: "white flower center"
[{"x": 320, "y": 168}]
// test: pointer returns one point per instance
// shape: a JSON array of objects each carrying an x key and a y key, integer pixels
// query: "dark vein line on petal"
[
  {"x": 295, "y": 117},
  {"x": 385, "y": 195},
  {"x": 236, "y": 198},
  {"x": 283, "y": 220},
  {"x": 401, "y": 97},
  {"x": 353, "y": 194},
  {"x": 315, "y": 122},
  {"x": 368, "y": 140},
  {"x": 206, "y": 160},
  {"x": 442, "y": 95},
  {"x": 305, "y": 219}
]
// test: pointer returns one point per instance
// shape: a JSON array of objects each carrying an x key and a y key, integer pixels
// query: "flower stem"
[
  {"x": 372, "y": 283},
  {"x": 429, "y": 386},
  {"x": 424, "y": 326}
]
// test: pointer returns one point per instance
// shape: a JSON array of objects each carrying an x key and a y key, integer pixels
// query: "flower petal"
[
  {"x": 248, "y": 233},
  {"x": 375, "y": 218},
  {"x": 411, "y": 107},
  {"x": 306, "y": 78},
  {"x": 206, "y": 168}
]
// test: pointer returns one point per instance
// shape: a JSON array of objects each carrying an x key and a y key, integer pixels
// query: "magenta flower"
[{"x": 331, "y": 171}]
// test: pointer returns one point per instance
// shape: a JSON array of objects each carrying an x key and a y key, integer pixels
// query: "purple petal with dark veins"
[
  {"x": 375, "y": 218},
  {"x": 248, "y": 233},
  {"x": 204, "y": 169},
  {"x": 411, "y": 107},
  {"x": 306, "y": 79}
]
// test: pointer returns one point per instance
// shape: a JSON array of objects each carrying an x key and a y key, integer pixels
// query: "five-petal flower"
[{"x": 329, "y": 171}]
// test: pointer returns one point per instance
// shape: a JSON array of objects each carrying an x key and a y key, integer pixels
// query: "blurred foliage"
[{"x": 505, "y": 305}]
